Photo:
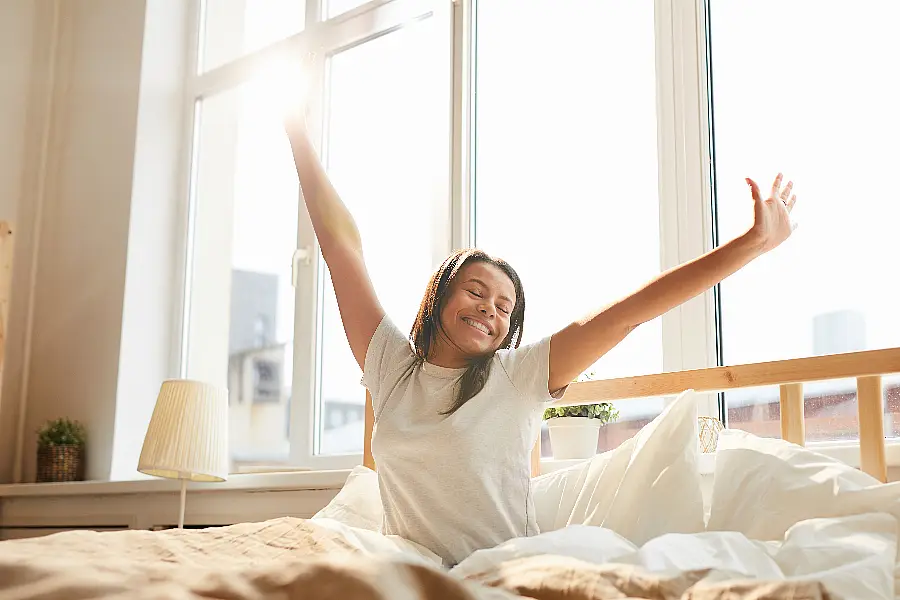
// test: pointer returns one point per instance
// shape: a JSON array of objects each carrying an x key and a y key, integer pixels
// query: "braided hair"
[{"x": 428, "y": 323}]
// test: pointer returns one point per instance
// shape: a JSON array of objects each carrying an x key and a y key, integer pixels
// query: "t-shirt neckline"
[{"x": 442, "y": 372}]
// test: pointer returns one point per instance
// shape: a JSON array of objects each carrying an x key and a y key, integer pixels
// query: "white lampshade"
[{"x": 188, "y": 433}]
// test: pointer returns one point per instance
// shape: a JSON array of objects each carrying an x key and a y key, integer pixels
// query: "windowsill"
[
  {"x": 847, "y": 452},
  {"x": 302, "y": 480}
]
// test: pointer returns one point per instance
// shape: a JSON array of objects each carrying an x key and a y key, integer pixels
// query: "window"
[
  {"x": 566, "y": 167},
  {"x": 591, "y": 144},
  {"x": 339, "y": 7},
  {"x": 240, "y": 306},
  {"x": 257, "y": 314},
  {"x": 231, "y": 29},
  {"x": 385, "y": 156},
  {"x": 823, "y": 110}
]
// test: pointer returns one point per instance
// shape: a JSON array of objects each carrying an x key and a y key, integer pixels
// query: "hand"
[
  {"x": 771, "y": 217},
  {"x": 292, "y": 92}
]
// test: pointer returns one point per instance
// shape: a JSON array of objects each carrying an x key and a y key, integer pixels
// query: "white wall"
[
  {"x": 25, "y": 34},
  {"x": 152, "y": 288},
  {"x": 107, "y": 177},
  {"x": 16, "y": 24}
]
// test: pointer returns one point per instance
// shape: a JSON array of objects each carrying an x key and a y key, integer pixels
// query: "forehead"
[{"x": 493, "y": 277}]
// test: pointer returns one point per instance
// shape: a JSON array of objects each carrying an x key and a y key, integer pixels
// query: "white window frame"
[
  {"x": 685, "y": 191},
  {"x": 318, "y": 41},
  {"x": 356, "y": 27}
]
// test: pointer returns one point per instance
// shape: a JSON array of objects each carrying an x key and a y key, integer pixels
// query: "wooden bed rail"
[{"x": 866, "y": 367}]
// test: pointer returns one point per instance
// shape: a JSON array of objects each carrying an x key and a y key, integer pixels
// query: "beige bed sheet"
[{"x": 295, "y": 558}]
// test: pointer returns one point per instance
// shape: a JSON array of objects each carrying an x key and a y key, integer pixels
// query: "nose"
[{"x": 487, "y": 310}]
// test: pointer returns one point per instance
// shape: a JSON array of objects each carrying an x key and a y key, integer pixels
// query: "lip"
[{"x": 488, "y": 327}]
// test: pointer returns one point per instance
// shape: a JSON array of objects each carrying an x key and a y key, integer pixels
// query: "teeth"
[{"x": 477, "y": 326}]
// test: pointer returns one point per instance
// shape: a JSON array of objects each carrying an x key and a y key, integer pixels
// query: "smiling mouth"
[{"x": 477, "y": 325}]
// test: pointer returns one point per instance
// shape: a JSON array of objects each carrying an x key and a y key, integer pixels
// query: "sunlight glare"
[{"x": 284, "y": 85}]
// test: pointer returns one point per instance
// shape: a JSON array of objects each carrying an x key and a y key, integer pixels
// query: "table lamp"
[{"x": 187, "y": 438}]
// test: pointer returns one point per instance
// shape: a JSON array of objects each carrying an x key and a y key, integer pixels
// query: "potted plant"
[
  {"x": 60, "y": 451},
  {"x": 574, "y": 430}
]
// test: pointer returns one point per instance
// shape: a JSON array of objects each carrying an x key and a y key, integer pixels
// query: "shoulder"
[
  {"x": 524, "y": 354},
  {"x": 527, "y": 368},
  {"x": 389, "y": 338},
  {"x": 389, "y": 351}
]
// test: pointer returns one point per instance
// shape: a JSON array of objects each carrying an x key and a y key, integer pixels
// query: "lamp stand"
[{"x": 181, "y": 509}]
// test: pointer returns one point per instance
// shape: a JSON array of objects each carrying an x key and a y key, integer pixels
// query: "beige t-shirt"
[{"x": 462, "y": 482}]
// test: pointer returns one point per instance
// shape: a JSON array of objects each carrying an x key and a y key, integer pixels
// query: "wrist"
[{"x": 752, "y": 243}]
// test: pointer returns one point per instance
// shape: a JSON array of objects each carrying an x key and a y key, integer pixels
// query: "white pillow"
[
  {"x": 358, "y": 504},
  {"x": 763, "y": 486},
  {"x": 648, "y": 486}
]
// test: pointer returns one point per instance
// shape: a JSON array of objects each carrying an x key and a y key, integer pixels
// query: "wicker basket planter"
[
  {"x": 60, "y": 463},
  {"x": 60, "y": 451}
]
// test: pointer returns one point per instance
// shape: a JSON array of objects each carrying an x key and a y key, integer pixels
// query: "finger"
[
  {"x": 790, "y": 203},
  {"x": 754, "y": 189},
  {"x": 776, "y": 185},
  {"x": 786, "y": 192}
]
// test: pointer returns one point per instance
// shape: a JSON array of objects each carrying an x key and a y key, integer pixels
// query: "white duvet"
[{"x": 777, "y": 512}]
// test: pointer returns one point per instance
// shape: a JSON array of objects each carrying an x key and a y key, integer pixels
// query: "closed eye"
[{"x": 476, "y": 294}]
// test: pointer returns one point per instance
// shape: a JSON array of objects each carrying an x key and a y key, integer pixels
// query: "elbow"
[{"x": 337, "y": 250}]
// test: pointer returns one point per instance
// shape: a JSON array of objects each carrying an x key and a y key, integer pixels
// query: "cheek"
[{"x": 453, "y": 306}]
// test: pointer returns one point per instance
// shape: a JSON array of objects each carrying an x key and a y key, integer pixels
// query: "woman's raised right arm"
[{"x": 340, "y": 243}]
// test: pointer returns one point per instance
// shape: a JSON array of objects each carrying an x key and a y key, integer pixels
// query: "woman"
[{"x": 458, "y": 402}]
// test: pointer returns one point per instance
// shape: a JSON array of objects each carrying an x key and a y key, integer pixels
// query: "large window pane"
[
  {"x": 823, "y": 109},
  {"x": 334, "y": 8},
  {"x": 241, "y": 301},
  {"x": 387, "y": 155},
  {"x": 233, "y": 28},
  {"x": 566, "y": 164}
]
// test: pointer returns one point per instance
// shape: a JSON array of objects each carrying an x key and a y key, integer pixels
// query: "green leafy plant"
[
  {"x": 61, "y": 432},
  {"x": 600, "y": 410}
]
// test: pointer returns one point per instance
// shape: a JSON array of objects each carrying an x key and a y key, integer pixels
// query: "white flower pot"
[{"x": 574, "y": 437}]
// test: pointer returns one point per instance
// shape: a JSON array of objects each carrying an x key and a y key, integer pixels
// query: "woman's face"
[{"x": 475, "y": 315}]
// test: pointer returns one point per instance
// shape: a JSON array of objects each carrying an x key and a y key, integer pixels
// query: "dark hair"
[{"x": 427, "y": 325}]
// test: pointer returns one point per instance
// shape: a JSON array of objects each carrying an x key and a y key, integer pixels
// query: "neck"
[{"x": 443, "y": 354}]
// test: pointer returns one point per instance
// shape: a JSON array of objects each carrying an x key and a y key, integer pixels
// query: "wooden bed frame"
[{"x": 866, "y": 367}]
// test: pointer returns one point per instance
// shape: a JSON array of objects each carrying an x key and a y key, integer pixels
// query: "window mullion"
[
  {"x": 187, "y": 181},
  {"x": 307, "y": 381},
  {"x": 462, "y": 220},
  {"x": 685, "y": 218},
  {"x": 308, "y": 294},
  {"x": 313, "y": 12}
]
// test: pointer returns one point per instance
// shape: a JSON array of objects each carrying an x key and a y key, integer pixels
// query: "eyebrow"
[{"x": 476, "y": 280}]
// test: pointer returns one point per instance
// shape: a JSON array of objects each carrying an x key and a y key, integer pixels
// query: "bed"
[{"x": 780, "y": 520}]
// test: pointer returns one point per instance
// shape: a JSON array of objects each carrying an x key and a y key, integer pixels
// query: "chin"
[{"x": 476, "y": 347}]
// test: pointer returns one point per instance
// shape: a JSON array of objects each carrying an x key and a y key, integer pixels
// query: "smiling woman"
[
  {"x": 474, "y": 305},
  {"x": 475, "y": 290}
]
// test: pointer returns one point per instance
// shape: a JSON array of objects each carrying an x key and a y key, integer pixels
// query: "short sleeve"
[
  {"x": 389, "y": 351},
  {"x": 528, "y": 367}
]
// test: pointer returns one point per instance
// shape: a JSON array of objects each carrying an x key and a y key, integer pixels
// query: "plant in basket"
[{"x": 60, "y": 451}]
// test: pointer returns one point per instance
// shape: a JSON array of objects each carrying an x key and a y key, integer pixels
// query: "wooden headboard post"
[{"x": 368, "y": 459}]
